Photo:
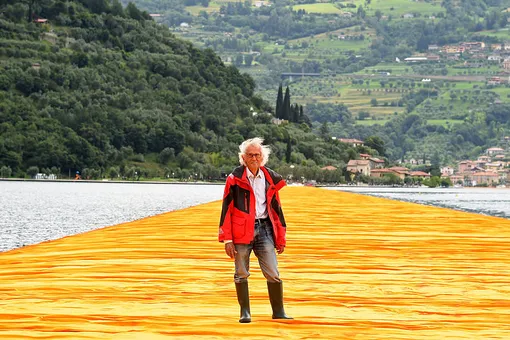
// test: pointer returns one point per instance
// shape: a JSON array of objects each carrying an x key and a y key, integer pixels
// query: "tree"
[
  {"x": 33, "y": 7},
  {"x": 294, "y": 113},
  {"x": 117, "y": 8},
  {"x": 361, "y": 12},
  {"x": 113, "y": 172},
  {"x": 279, "y": 103},
  {"x": 378, "y": 14},
  {"x": 376, "y": 143},
  {"x": 248, "y": 59},
  {"x": 133, "y": 12},
  {"x": 32, "y": 171},
  {"x": 422, "y": 44},
  {"x": 324, "y": 131},
  {"x": 446, "y": 182},
  {"x": 362, "y": 115},
  {"x": 5, "y": 171},
  {"x": 288, "y": 151},
  {"x": 435, "y": 169},
  {"x": 238, "y": 61},
  {"x": 166, "y": 155},
  {"x": 286, "y": 105},
  {"x": 96, "y": 6}
]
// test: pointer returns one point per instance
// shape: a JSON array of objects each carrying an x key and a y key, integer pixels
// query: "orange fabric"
[{"x": 355, "y": 267}]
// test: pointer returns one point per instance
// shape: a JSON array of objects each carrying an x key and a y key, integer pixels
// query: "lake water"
[
  {"x": 486, "y": 201},
  {"x": 32, "y": 212}
]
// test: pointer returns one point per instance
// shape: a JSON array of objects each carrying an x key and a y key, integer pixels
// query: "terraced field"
[{"x": 324, "y": 8}]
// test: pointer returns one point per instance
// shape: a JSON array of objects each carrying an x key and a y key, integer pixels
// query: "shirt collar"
[{"x": 250, "y": 175}]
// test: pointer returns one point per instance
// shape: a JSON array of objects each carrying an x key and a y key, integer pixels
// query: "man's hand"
[
  {"x": 230, "y": 249},
  {"x": 280, "y": 249}
]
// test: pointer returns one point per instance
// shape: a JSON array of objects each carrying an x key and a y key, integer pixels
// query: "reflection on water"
[
  {"x": 494, "y": 202},
  {"x": 32, "y": 212}
]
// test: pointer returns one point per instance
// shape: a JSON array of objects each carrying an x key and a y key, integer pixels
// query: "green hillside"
[
  {"x": 115, "y": 91},
  {"x": 93, "y": 87}
]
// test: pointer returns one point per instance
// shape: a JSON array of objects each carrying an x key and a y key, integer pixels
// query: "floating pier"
[{"x": 355, "y": 267}]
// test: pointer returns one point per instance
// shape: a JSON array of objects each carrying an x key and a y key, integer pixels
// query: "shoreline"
[
  {"x": 222, "y": 183},
  {"x": 104, "y": 181}
]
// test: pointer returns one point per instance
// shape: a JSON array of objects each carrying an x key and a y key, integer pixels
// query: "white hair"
[{"x": 257, "y": 141}]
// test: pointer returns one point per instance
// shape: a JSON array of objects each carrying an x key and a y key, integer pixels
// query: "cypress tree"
[
  {"x": 279, "y": 103},
  {"x": 300, "y": 115},
  {"x": 286, "y": 105},
  {"x": 295, "y": 113},
  {"x": 288, "y": 152}
]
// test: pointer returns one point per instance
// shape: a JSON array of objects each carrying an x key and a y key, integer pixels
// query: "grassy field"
[
  {"x": 395, "y": 69},
  {"x": 485, "y": 70},
  {"x": 501, "y": 33},
  {"x": 504, "y": 93},
  {"x": 397, "y": 8},
  {"x": 323, "y": 8},
  {"x": 443, "y": 122},
  {"x": 369, "y": 122},
  {"x": 460, "y": 85},
  {"x": 214, "y": 6},
  {"x": 324, "y": 45},
  {"x": 195, "y": 10}
]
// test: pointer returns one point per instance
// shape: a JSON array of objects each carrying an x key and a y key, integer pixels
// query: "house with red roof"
[
  {"x": 495, "y": 151},
  {"x": 361, "y": 166},
  {"x": 352, "y": 141},
  {"x": 487, "y": 177},
  {"x": 420, "y": 174}
]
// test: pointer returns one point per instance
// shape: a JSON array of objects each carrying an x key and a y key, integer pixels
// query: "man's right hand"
[{"x": 230, "y": 249}]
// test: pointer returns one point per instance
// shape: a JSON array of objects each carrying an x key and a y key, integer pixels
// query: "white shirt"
[{"x": 258, "y": 184}]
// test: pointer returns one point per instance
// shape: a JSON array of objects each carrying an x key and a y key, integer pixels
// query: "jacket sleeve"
[
  {"x": 225, "y": 230},
  {"x": 281, "y": 239}
]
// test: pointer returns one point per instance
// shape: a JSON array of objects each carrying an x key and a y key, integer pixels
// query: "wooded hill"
[{"x": 93, "y": 87}]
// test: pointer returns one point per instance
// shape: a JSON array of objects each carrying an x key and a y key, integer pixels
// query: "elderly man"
[{"x": 252, "y": 219}]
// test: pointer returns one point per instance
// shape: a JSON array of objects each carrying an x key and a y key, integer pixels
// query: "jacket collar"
[{"x": 272, "y": 177}]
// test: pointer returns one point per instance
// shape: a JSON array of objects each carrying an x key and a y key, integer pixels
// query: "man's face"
[{"x": 253, "y": 157}]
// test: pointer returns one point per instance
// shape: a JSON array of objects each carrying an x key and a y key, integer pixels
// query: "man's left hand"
[{"x": 280, "y": 249}]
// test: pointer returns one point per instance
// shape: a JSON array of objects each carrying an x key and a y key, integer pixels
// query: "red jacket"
[{"x": 237, "y": 222}]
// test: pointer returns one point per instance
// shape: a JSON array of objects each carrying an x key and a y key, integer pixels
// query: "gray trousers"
[{"x": 264, "y": 249}]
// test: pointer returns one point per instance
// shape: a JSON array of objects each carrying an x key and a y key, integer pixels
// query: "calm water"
[
  {"x": 32, "y": 212},
  {"x": 494, "y": 202}
]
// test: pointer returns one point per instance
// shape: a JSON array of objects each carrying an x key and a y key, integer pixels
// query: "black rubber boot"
[
  {"x": 275, "y": 290},
  {"x": 244, "y": 301}
]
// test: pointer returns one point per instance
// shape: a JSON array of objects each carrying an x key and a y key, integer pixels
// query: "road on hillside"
[{"x": 449, "y": 78}]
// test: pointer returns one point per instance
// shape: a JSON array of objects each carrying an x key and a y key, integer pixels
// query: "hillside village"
[
  {"x": 492, "y": 168},
  {"x": 471, "y": 55}
]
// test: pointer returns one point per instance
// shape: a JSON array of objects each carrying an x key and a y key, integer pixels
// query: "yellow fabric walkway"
[{"x": 356, "y": 267}]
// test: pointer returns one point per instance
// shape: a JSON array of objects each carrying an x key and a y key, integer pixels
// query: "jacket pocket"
[{"x": 238, "y": 227}]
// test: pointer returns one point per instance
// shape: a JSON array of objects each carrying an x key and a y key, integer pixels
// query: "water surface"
[
  {"x": 32, "y": 212},
  {"x": 486, "y": 201}
]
